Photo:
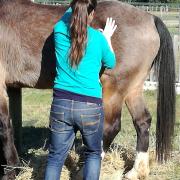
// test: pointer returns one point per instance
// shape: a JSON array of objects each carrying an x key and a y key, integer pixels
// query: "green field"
[{"x": 36, "y": 105}]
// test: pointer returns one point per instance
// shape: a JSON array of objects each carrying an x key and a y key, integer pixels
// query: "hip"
[{"x": 66, "y": 113}]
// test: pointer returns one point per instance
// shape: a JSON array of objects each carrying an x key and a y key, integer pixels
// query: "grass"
[{"x": 36, "y": 106}]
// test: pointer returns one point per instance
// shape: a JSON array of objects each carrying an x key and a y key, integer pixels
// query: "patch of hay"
[
  {"x": 65, "y": 174},
  {"x": 36, "y": 172},
  {"x": 25, "y": 172},
  {"x": 112, "y": 166}
]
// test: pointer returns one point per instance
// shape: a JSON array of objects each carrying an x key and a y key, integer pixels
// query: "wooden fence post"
[
  {"x": 161, "y": 11},
  {"x": 15, "y": 109},
  {"x": 175, "y": 46}
]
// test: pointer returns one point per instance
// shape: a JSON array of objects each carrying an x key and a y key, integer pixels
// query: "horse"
[{"x": 140, "y": 42}]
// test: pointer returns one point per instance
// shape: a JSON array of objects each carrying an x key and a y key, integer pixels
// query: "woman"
[{"x": 77, "y": 94}]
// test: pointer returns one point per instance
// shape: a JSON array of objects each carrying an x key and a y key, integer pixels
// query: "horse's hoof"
[
  {"x": 132, "y": 175},
  {"x": 140, "y": 169}
]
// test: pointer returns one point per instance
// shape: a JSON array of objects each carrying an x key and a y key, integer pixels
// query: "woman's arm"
[
  {"x": 108, "y": 56},
  {"x": 108, "y": 31}
]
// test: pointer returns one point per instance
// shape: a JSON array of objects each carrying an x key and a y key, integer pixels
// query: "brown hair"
[{"x": 78, "y": 28}]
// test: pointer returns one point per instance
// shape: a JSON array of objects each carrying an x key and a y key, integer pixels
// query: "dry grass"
[
  {"x": 113, "y": 166},
  {"x": 25, "y": 171},
  {"x": 167, "y": 171}
]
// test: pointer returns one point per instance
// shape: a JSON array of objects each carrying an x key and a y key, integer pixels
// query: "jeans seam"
[
  {"x": 76, "y": 109},
  {"x": 62, "y": 113},
  {"x": 90, "y": 115},
  {"x": 51, "y": 129},
  {"x": 77, "y": 101},
  {"x": 53, "y": 119},
  {"x": 72, "y": 112}
]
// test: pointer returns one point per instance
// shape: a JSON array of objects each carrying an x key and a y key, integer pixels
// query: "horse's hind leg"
[
  {"x": 9, "y": 154},
  {"x": 142, "y": 120}
]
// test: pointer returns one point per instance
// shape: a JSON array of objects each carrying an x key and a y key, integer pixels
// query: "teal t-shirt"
[{"x": 84, "y": 79}]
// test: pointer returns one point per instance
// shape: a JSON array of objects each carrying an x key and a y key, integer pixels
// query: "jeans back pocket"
[
  {"x": 90, "y": 123},
  {"x": 58, "y": 123}
]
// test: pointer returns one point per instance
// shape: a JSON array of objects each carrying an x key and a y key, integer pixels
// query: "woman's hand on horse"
[{"x": 110, "y": 27}]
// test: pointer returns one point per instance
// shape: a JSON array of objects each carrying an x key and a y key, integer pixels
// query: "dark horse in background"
[{"x": 140, "y": 41}]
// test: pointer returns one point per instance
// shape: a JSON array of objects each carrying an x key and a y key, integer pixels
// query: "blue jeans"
[{"x": 66, "y": 117}]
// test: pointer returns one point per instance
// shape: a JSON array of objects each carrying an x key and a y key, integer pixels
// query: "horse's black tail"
[{"x": 166, "y": 96}]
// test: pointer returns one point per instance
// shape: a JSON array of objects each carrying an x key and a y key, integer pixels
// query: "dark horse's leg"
[
  {"x": 8, "y": 151},
  {"x": 111, "y": 128},
  {"x": 142, "y": 120}
]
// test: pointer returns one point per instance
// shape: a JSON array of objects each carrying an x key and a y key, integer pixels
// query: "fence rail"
[
  {"x": 52, "y": 2},
  {"x": 169, "y": 5}
]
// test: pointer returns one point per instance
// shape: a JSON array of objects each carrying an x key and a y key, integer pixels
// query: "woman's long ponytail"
[{"x": 78, "y": 28}]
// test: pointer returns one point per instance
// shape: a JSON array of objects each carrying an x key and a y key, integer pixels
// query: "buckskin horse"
[{"x": 140, "y": 41}]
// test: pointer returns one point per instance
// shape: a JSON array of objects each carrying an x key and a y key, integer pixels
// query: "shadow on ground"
[
  {"x": 34, "y": 138},
  {"x": 34, "y": 153}
]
